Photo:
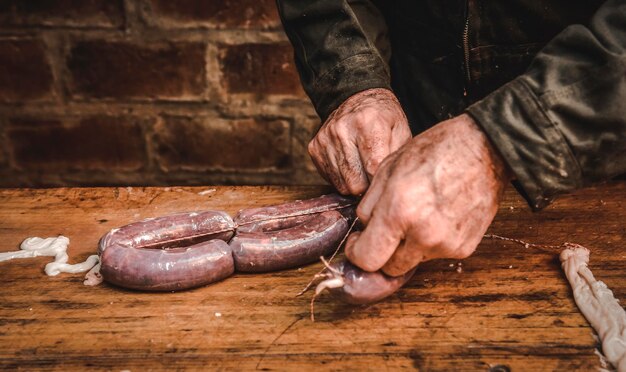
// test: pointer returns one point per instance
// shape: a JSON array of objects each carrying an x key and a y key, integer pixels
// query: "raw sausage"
[
  {"x": 350, "y": 284},
  {"x": 287, "y": 243},
  {"x": 290, "y": 234},
  {"x": 173, "y": 252},
  {"x": 176, "y": 230},
  {"x": 167, "y": 269},
  {"x": 187, "y": 250}
]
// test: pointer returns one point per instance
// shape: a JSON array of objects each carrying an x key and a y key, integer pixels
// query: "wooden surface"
[{"x": 510, "y": 308}]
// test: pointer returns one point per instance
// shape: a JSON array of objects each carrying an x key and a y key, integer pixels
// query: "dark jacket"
[{"x": 545, "y": 79}]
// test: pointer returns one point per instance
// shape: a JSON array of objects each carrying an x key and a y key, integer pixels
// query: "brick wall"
[{"x": 150, "y": 92}]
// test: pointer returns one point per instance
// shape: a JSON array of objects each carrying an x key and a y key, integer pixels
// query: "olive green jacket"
[{"x": 545, "y": 79}]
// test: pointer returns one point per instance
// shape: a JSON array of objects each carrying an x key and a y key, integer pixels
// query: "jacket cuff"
[
  {"x": 530, "y": 143},
  {"x": 352, "y": 75}
]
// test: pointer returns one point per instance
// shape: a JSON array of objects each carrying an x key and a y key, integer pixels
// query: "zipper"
[{"x": 465, "y": 39}]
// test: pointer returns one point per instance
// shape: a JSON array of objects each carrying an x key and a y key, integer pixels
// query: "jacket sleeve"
[
  {"x": 340, "y": 48},
  {"x": 562, "y": 124}
]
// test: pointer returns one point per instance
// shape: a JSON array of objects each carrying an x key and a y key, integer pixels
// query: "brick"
[
  {"x": 122, "y": 70},
  {"x": 259, "y": 68},
  {"x": 216, "y": 14},
  {"x": 184, "y": 143},
  {"x": 90, "y": 143},
  {"x": 73, "y": 13},
  {"x": 25, "y": 73}
]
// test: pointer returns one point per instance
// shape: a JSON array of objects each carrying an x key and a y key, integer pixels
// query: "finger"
[
  {"x": 376, "y": 243},
  {"x": 351, "y": 169},
  {"x": 401, "y": 134},
  {"x": 334, "y": 171},
  {"x": 318, "y": 160},
  {"x": 406, "y": 257},
  {"x": 337, "y": 152},
  {"x": 324, "y": 160},
  {"x": 373, "y": 194},
  {"x": 373, "y": 149},
  {"x": 422, "y": 242}
]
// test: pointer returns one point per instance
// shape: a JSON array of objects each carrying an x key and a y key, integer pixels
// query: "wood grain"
[{"x": 510, "y": 307}]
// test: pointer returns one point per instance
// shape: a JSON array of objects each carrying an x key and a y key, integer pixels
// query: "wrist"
[
  {"x": 489, "y": 152},
  {"x": 374, "y": 93},
  {"x": 367, "y": 98}
]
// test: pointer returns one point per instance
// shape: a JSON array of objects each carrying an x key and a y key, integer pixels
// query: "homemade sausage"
[
  {"x": 287, "y": 243},
  {"x": 167, "y": 269},
  {"x": 186, "y": 250},
  {"x": 173, "y": 252},
  {"x": 176, "y": 230},
  {"x": 352, "y": 285}
]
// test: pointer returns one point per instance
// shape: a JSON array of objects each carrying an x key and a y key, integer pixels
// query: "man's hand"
[
  {"x": 356, "y": 138},
  {"x": 433, "y": 198}
]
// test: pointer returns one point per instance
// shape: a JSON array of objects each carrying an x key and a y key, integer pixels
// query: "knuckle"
[
  {"x": 312, "y": 147},
  {"x": 406, "y": 131},
  {"x": 365, "y": 263},
  {"x": 433, "y": 239},
  {"x": 323, "y": 138},
  {"x": 372, "y": 165},
  {"x": 369, "y": 265},
  {"x": 447, "y": 249},
  {"x": 339, "y": 129},
  {"x": 404, "y": 210},
  {"x": 342, "y": 189},
  {"x": 338, "y": 183},
  {"x": 402, "y": 214},
  {"x": 356, "y": 187},
  {"x": 461, "y": 253},
  {"x": 438, "y": 238},
  {"x": 392, "y": 270},
  {"x": 333, "y": 132},
  {"x": 315, "y": 149}
]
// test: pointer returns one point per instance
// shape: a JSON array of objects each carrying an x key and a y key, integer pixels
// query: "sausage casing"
[
  {"x": 362, "y": 287},
  {"x": 292, "y": 242},
  {"x": 173, "y": 252},
  {"x": 167, "y": 269}
]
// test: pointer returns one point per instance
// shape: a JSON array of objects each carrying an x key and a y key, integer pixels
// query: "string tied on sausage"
[
  {"x": 334, "y": 278},
  {"x": 327, "y": 263},
  {"x": 297, "y": 214}
]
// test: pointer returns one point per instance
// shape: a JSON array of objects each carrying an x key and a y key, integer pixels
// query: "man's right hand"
[{"x": 357, "y": 137}]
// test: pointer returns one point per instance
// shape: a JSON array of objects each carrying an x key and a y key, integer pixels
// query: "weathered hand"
[
  {"x": 356, "y": 138},
  {"x": 433, "y": 198}
]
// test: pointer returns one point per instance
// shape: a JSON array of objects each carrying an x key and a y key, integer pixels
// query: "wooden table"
[{"x": 509, "y": 308}]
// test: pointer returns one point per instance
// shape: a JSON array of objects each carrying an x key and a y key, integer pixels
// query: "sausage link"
[
  {"x": 167, "y": 269},
  {"x": 292, "y": 242},
  {"x": 362, "y": 287},
  {"x": 151, "y": 254},
  {"x": 173, "y": 252}
]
